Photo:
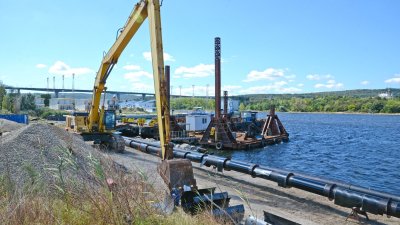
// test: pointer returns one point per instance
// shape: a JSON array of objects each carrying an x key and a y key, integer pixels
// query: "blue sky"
[{"x": 267, "y": 46}]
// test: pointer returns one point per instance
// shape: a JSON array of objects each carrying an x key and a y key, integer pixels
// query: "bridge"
[{"x": 57, "y": 91}]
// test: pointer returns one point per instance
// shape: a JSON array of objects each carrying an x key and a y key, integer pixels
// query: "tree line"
[
  {"x": 24, "y": 103},
  {"x": 331, "y": 103},
  {"x": 15, "y": 103},
  {"x": 327, "y": 104}
]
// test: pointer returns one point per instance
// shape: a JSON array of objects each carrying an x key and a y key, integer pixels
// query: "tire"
[{"x": 219, "y": 145}]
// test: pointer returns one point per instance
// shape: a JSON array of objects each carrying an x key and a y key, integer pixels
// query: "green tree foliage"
[
  {"x": 3, "y": 93},
  {"x": 28, "y": 102},
  {"x": 242, "y": 107},
  {"x": 283, "y": 103},
  {"x": 391, "y": 106},
  {"x": 46, "y": 98},
  {"x": 11, "y": 103},
  {"x": 190, "y": 103},
  {"x": 5, "y": 103}
]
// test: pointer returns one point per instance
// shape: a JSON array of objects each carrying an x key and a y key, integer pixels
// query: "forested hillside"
[{"x": 365, "y": 101}]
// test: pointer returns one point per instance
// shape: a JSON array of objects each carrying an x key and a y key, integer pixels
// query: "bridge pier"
[
  {"x": 143, "y": 96},
  {"x": 56, "y": 93},
  {"x": 118, "y": 96}
]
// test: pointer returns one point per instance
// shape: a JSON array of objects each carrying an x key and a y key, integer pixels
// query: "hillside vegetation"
[{"x": 363, "y": 101}]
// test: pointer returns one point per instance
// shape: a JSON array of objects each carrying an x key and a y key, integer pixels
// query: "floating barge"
[
  {"x": 221, "y": 134},
  {"x": 271, "y": 132}
]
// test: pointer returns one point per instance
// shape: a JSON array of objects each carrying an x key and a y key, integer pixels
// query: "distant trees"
[
  {"x": 190, "y": 103},
  {"x": 329, "y": 103},
  {"x": 28, "y": 102},
  {"x": 46, "y": 100},
  {"x": 14, "y": 102},
  {"x": 3, "y": 93},
  {"x": 10, "y": 103}
]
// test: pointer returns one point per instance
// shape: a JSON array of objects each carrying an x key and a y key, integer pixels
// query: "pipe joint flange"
[
  {"x": 184, "y": 155},
  {"x": 143, "y": 147},
  {"x": 203, "y": 160},
  {"x": 253, "y": 167},
  {"x": 218, "y": 162},
  {"x": 282, "y": 179},
  {"x": 179, "y": 154},
  {"x": 328, "y": 191}
]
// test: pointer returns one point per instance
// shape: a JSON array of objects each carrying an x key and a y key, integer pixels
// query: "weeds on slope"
[{"x": 111, "y": 196}]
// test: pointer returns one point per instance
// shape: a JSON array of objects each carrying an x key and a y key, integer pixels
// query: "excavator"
[{"x": 99, "y": 124}]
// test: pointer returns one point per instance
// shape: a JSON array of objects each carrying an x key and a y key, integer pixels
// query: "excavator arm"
[{"x": 144, "y": 9}]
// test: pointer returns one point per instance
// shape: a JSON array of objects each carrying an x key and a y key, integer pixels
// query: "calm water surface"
[{"x": 359, "y": 149}]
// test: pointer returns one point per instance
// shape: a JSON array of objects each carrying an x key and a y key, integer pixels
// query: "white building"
[
  {"x": 39, "y": 102},
  {"x": 386, "y": 95},
  {"x": 197, "y": 122},
  {"x": 233, "y": 105},
  {"x": 62, "y": 103}
]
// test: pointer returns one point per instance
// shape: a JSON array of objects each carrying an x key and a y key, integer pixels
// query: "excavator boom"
[{"x": 144, "y": 9}]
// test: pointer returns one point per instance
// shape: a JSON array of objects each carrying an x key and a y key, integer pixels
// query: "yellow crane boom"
[{"x": 144, "y": 9}]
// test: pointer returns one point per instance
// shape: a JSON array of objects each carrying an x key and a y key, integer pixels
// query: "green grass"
[{"x": 70, "y": 201}]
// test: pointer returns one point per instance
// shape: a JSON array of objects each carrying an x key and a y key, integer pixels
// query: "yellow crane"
[{"x": 99, "y": 124}]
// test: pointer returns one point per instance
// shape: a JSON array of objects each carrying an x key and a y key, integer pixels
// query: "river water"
[{"x": 359, "y": 149}]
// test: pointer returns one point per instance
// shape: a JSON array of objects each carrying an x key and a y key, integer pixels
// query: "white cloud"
[
  {"x": 268, "y": 74},
  {"x": 135, "y": 76},
  {"x": 329, "y": 84},
  {"x": 61, "y": 68},
  {"x": 167, "y": 57},
  {"x": 290, "y": 90},
  {"x": 232, "y": 89},
  {"x": 365, "y": 82},
  {"x": 300, "y": 85},
  {"x": 41, "y": 66},
  {"x": 290, "y": 77},
  {"x": 313, "y": 77},
  {"x": 147, "y": 56},
  {"x": 328, "y": 76},
  {"x": 137, "y": 81},
  {"x": 395, "y": 79},
  {"x": 319, "y": 77},
  {"x": 131, "y": 67},
  {"x": 276, "y": 87},
  {"x": 201, "y": 70}
]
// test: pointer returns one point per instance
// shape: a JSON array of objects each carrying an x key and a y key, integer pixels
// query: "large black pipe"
[
  {"x": 193, "y": 156},
  {"x": 343, "y": 194}
]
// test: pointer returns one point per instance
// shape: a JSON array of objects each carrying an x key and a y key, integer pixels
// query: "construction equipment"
[
  {"x": 177, "y": 173},
  {"x": 99, "y": 124}
]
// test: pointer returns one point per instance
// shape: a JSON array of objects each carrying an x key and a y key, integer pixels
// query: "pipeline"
[{"x": 342, "y": 194}]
